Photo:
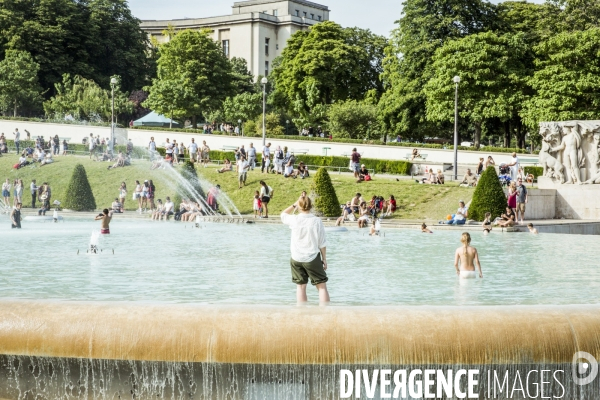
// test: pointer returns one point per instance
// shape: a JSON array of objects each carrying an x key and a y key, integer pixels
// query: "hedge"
[
  {"x": 326, "y": 201},
  {"x": 488, "y": 196},
  {"x": 396, "y": 167},
  {"x": 138, "y": 152},
  {"x": 79, "y": 195},
  {"x": 535, "y": 171}
]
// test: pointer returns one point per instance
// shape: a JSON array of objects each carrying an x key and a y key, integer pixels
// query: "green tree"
[
  {"x": 79, "y": 196},
  {"x": 326, "y": 64},
  {"x": 167, "y": 97},
  {"x": 488, "y": 196},
  {"x": 272, "y": 125},
  {"x": 242, "y": 78},
  {"x": 492, "y": 79},
  {"x": 94, "y": 38},
  {"x": 424, "y": 27},
  {"x": 198, "y": 63},
  {"x": 326, "y": 201},
  {"x": 18, "y": 81},
  {"x": 246, "y": 106},
  {"x": 85, "y": 99},
  {"x": 567, "y": 83},
  {"x": 353, "y": 119}
]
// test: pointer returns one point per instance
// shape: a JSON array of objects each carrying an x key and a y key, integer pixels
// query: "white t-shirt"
[
  {"x": 263, "y": 192},
  {"x": 463, "y": 211},
  {"x": 152, "y": 146},
  {"x": 308, "y": 236},
  {"x": 17, "y": 136},
  {"x": 514, "y": 169},
  {"x": 193, "y": 148},
  {"x": 169, "y": 148},
  {"x": 252, "y": 152},
  {"x": 169, "y": 206},
  {"x": 266, "y": 151},
  {"x": 242, "y": 166}
]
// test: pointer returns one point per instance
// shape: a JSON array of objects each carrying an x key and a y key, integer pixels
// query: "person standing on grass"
[
  {"x": 193, "y": 149},
  {"x": 308, "y": 249},
  {"x": 266, "y": 158},
  {"x": 355, "y": 162},
  {"x": 242, "y": 167},
  {"x": 266, "y": 194},
  {"x": 205, "y": 153},
  {"x": 252, "y": 156},
  {"x": 6, "y": 192},
  {"x": 17, "y": 139},
  {"x": 123, "y": 194},
  {"x": 152, "y": 148}
]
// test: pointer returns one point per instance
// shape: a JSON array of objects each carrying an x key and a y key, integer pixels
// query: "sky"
[{"x": 377, "y": 15}]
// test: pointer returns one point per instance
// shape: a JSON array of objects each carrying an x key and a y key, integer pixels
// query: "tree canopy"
[{"x": 18, "y": 81}]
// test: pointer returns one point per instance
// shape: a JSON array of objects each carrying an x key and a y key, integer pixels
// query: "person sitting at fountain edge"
[
  {"x": 467, "y": 256},
  {"x": 460, "y": 218},
  {"x": 308, "y": 248},
  {"x": 168, "y": 209},
  {"x": 105, "y": 217}
]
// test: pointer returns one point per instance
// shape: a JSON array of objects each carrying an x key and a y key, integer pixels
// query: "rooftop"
[{"x": 258, "y": 2}]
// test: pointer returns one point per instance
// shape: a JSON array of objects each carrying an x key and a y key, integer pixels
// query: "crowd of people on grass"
[{"x": 358, "y": 210}]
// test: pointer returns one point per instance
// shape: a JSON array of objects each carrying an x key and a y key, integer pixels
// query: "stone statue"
[
  {"x": 594, "y": 158},
  {"x": 572, "y": 155},
  {"x": 553, "y": 168}
]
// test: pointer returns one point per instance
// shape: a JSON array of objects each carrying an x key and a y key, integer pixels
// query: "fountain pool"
[
  {"x": 249, "y": 264},
  {"x": 208, "y": 312}
]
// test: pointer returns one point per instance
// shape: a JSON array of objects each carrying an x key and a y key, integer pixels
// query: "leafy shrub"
[
  {"x": 326, "y": 201},
  {"x": 250, "y": 128},
  {"x": 488, "y": 196},
  {"x": 535, "y": 171},
  {"x": 79, "y": 196}
]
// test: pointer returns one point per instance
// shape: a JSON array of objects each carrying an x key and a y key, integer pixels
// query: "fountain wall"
[{"x": 160, "y": 350}]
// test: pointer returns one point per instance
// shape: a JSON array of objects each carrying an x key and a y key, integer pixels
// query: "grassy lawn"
[{"x": 419, "y": 202}]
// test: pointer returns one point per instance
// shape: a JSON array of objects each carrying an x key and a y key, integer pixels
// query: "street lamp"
[
  {"x": 113, "y": 83},
  {"x": 287, "y": 121},
  {"x": 264, "y": 82},
  {"x": 240, "y": 127},
  {"x": 456, "y": 80}
]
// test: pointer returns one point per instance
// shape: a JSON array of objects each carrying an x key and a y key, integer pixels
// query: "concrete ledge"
[{"x": 299, "y": 335}]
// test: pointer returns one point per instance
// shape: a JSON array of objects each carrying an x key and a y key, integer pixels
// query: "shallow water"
[{"x": 249, "y": 264}]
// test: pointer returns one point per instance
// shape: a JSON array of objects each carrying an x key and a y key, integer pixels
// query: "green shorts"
[{"x": 301, "y": 271}]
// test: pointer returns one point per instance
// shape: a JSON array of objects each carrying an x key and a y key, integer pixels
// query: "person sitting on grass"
[
  {"x": 390, "y": 206},
  {"x": 460, "y": 218},
  {"x": 440, "y": 177},
  {"x": 39, "y": 155},
  {"x": 507, "y": 219},
  {"x": 120, "y": 161},
  {"x": 117, "y": 206},
  {"x": 226, "y": 166},
  {"x": 346, "y": 215},
  {"x": 429, "y": 179},
  {"x": 47, "y": 159},
  {"x": 469, "y": 180},
  {"x": 363, "y": 174},
  {"x": 302, "y": 171}
]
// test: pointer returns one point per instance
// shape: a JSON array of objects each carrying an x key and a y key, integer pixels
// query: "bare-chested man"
[
  {"x": 106, "y": 216},
  {"x": 468, "y": 257}
]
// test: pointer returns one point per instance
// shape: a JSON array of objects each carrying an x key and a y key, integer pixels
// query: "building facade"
[{"x": 257, "y": 30}]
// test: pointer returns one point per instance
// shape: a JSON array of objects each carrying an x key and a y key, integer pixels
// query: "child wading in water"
[
  {"x": 468, "y": 257},
  {"x": 257, "y": 205}
]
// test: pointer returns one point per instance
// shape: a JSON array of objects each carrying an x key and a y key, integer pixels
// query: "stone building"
[{"x": 256, "y": 30}]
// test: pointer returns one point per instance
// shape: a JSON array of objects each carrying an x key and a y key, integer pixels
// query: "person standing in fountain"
[
  {"x": 105, "y": 217},
  {"x": 15, "y": 216},
  {"x": 468, "y": 257},
  {"x": 308, "y": 248}
]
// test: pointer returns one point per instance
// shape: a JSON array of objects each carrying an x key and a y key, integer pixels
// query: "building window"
[
  {"x": 312, "y": 16},
  {"x": 319, "y": 17},
  {"x": 267, "y": 40},
  {"x": 297, "y": 13},
  {"x": 275, "y": 13},
  {"x": 304, "y": 13},
  {"x": 266, "y": 68},
  {"x": 226, "y": 48}
]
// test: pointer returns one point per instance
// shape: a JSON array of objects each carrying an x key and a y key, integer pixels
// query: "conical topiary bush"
[
  {"x": 326, "y": 201},
  {"x": 488, "y": 196},
  {"x": 79, "y": 196}
]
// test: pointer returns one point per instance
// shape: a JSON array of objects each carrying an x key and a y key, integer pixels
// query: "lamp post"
[
  {"x": 456, "y": 80},
  {"x": 287, "y": 121},
  {"x": 240, "y": 127},
  {"x": 264, "y": 82},
  {"x": 113, "y": 83}
]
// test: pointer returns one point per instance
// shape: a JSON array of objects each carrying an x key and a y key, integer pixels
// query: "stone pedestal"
[
  {"x": 541, "y": 204},
  {"x": 574, "y": 201}
]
